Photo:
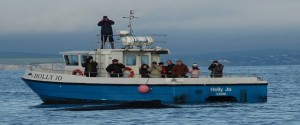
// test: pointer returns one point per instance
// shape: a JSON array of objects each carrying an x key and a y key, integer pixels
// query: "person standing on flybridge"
[{"x": 106, "y": 31}]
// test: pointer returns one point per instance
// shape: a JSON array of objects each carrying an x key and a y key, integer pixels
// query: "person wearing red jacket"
[
  {"x": 180, "y": 70},
  {"x": 164, "y": 70}
]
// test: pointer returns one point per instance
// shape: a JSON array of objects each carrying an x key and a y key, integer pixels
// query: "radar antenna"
[{"x": 130, "y": 17}]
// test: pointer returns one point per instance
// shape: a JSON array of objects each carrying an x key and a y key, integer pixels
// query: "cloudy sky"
[{"x": 194, "y": 26}]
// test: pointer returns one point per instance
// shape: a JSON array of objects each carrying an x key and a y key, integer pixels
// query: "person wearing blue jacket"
[{"x": 106, "y": 31}]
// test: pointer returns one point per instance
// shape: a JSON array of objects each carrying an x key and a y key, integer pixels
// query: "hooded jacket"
[{"x": 106, "y": 26}]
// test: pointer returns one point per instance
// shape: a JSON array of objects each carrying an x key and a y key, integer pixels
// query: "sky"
[{"x": 193, "y": 26}]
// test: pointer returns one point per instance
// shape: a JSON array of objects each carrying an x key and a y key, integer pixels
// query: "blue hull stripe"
[{"x": 51, "y": 92}]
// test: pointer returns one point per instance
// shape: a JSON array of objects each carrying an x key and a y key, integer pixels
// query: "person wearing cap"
[
  {"x": 106, "y": 31},
  {"x": 216, "y": 69},
  {"x": 155, "y": 70},
  {"x": 180, "y": 70},
  {"x": 170, "y": 67},
  {"x": 90, "y": 67},
  {"x": 115, "y": 69},
  {"x": 163, "y": 69},
  {"x": 195, "y": 71}
]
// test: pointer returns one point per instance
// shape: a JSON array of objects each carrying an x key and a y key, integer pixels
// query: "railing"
[
  {"x": 59, "y": 67},
  {"x": 160, "y": 40},
  {"x": 53, "y": 67},
  {"x": 107, "y": 43}
]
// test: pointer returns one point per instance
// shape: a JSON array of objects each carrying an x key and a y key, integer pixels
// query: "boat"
[{"x": 66, "y": 82}]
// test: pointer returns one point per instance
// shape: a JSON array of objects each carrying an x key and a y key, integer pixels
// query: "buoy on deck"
[{"x": 143, "y": 88}]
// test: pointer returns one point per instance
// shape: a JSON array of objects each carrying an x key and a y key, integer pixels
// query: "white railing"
[
  {"x": 60, "y": 68},
  {"x": 160, "y": 40},
  {"x": 53, "y": 67}
]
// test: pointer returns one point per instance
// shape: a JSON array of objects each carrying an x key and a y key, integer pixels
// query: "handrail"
[
  {"x": 39, "y": 65},
  {"x": 160, "y": 39},
  {"x": 58, "y": 67}
]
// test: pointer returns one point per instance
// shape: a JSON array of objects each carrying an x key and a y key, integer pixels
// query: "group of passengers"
[
  {"x": 178, "y": 70},
  {"x": 156, "y": 70}
]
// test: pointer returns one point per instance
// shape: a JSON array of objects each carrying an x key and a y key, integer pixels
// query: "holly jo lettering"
[
  {"x": 47, "y": 77},
  {"x": 219, "y": 89}
]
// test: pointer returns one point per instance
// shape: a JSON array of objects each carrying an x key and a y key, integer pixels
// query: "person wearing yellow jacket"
[{"x": 155, "y": 70}]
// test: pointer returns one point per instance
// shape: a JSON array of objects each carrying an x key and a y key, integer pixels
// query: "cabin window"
[
  {"x": 130, "y": 60},
  {"x": 145, "y": 59},
  {"x": 71, "y": 60}
]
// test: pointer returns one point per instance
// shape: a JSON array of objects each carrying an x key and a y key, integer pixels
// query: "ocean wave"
[
  {"x": 52, "y": 66},
  {"x": 13, "y": 67}
]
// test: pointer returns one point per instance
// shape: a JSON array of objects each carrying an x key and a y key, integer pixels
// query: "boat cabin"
[
  {"x": 135, "y": 51},
  {"x": 132, "y": 58}
]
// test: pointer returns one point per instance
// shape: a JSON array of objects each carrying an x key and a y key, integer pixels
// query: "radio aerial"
[{"x": 130, "y": 17}]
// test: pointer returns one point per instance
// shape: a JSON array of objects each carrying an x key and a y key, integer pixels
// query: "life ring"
[
  {"x": 130, "y": 70},
  {"x": 77, "y": 71}
]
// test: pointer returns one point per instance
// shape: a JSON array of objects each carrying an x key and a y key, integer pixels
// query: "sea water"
[{"x": 19, "y": 105}]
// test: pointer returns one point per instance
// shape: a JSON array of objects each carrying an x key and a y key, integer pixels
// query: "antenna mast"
[{"x": 130, "y": 17}]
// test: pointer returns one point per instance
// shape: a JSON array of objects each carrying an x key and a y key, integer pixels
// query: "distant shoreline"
[{"x": 242, "y": 58}]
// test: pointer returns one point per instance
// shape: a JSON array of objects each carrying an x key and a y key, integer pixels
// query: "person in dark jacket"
[
  {"x": 90, "y": 67},
  {"x": 180, "y": 70},
  {"x": 216, "y": 69},
  {"x": 169, "y": 68},
  {"x": 144, "y": 71},
  {"x": 163, "y": 69},
  {"x": 115, "y": 69},
  {"x": 106, "y": 31}
]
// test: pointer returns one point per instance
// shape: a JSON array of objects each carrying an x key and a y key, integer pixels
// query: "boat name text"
[
  {"x": 47, "y": 77},
  {"x": 220, "y": 91}
]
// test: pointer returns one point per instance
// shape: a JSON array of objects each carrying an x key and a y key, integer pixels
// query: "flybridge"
[{"x": 131, "y": 41}]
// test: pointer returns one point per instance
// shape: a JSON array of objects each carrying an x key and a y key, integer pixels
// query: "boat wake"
[{"x": 156, "y": 104}]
